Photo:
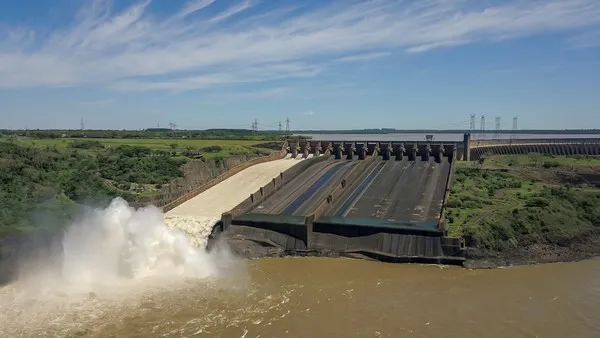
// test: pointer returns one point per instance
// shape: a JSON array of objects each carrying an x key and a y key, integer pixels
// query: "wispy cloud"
[
  {"x": 309, "y": 113},
  {"x": 198, "y": 46},
  {"x": 193, "y": 6},
  {"x": 364, "y": 57},
  {"x": 233, "y": 11}
]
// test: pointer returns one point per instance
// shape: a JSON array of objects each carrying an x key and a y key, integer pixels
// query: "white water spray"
[{"x": 113, "y": 256}]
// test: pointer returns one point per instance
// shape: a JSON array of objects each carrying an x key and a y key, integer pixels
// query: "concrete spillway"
[
  {"x": 397, "y": 190},
  {"x": 198, "y": 215},
  {"x": 229, "y": 193},
  {"x": 390, "y": 190},
  {"x": 370, "y": 207}
]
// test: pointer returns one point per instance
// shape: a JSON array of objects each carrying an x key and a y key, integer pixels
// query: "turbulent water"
[
  {"x": 111, "y": 258},
  {"x": 131, "y": 273}
]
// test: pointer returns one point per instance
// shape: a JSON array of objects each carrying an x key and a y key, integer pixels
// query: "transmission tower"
[
  {"x": 287, "y": 125},
  {"x": 280, "y": 126},
  {"x": 472, "y": 126},
  {"x": 253, "y": 127},
  {"x": 256, "y": 125},
  {"x": 82, "y": 125},
  {"x": 515, "y": 128},
  {"x": 497, "y": 133},
  {"x": 172, "y": 125},
  {"x": 482, "y": 127}
]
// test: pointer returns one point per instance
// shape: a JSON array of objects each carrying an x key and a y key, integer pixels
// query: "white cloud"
[
  {"x": 309, "y": 113},
  {"x": 194, "y": 6},
  {"x": 364, "y": 57},
  {"x": 197, "y": 47},
  {"x": 232, "y": 11},
  {"x": 430, "y": 46}
]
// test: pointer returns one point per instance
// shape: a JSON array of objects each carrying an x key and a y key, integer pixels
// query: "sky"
[{"x": 341, "y": 64}]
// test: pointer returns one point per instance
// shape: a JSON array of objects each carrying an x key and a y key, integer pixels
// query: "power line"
[
  {"x": 472, "y": 125},
  {"x": 482, "y": 127},
  {"x": 497, "y": 133},
  {"x": 514, "y": 128}
]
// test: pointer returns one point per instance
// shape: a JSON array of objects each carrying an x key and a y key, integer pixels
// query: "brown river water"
[{"x": 326, "y": 297}]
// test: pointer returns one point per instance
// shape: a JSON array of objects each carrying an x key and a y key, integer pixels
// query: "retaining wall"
[
  {"x": 229, "y": 173},
  {"x": 195, "y": 174}
]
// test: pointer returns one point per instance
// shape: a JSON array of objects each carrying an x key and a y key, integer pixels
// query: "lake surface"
[
  {"x": 440, "y": 137},
  {"x": 325, "y": 297}
]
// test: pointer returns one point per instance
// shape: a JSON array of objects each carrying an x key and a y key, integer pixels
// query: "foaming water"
[
  {"x": 196, "y": 228},
  {"x": 110, "y": 258}
]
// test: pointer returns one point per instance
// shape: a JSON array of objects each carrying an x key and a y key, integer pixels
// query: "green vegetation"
[
  {"x": 153, "y": 133},
  {"x": 44, "y": 181},
  {"x": 156, "y": 143},
  {"x": 191, "y": 148},
  {"x": 507, "y": 201}
]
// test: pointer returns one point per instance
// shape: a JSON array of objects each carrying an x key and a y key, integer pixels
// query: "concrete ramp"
[{"x": 232, "y": 191}]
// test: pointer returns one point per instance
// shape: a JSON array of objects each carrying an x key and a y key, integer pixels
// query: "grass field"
[
  {"x": 548, "y": 161},
  {"x": 228, "y": 147},
  {"x": 158, "y": 143},
  {"x": 511, "y": 200}
]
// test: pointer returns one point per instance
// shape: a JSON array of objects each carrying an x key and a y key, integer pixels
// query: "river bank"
[
  {"x": 518, "y": 210},
  {"x": 576, "y": 249}
]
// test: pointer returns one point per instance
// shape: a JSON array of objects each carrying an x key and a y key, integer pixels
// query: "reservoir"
[{"x": 327, "y": 297}]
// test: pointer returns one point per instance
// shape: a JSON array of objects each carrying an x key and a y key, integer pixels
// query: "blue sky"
[{"x": 324, "y": 64}]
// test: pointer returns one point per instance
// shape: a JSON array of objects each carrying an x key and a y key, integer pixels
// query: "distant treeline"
[
  {"x": 266, "y": 135},
  {"x": 220, "y": 134}
]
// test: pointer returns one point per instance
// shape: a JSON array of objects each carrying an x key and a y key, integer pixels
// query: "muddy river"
[{"x": 320, "y": 297}]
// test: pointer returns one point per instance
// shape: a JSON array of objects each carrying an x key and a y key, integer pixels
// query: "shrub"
[{"x": 88, "y": 144}]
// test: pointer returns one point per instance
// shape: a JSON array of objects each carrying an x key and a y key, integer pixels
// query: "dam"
[
  {"x": 373, "y": 200},
  {"x": 381, "y": 200}
]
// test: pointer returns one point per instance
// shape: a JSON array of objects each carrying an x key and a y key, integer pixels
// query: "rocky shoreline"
[{"x": 576, "y": 249}]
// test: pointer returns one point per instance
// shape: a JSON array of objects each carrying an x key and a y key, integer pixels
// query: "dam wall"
[
  {"x": 387, "y": 149},
  {"x": 556, "y": 147},
  {"x": 304, "y": 210},
  {"x": 468, "y": 149},
  {"x": 336, "y": 237}
]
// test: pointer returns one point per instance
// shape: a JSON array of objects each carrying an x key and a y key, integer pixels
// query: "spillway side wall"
[
  {"x": 186, "y": 197},
  {"x": 449, "y": 181}
]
